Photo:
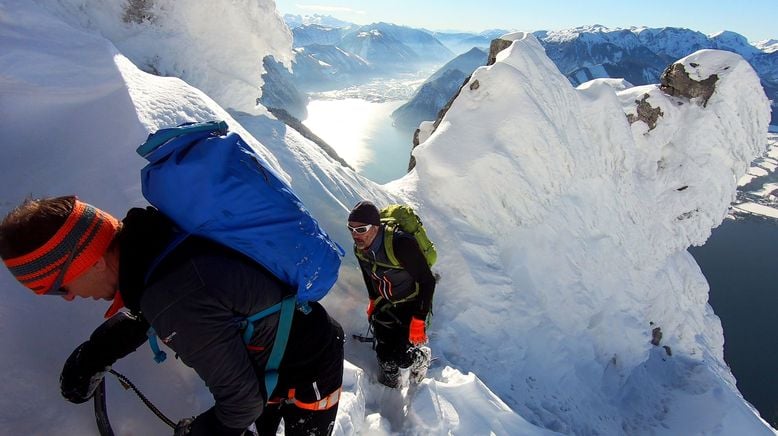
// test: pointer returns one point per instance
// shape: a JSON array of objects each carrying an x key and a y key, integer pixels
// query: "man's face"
[
  {"x": 98, "y": 282},
  {"x": 363, "y": 234}
]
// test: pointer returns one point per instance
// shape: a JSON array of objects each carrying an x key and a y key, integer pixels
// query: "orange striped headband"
[{"x": 81, "y": 241}]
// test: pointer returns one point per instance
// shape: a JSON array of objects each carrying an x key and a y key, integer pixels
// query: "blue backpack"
[{"x": 213, "y": 185}]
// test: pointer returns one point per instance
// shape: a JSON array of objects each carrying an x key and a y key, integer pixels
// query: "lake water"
[
  {"x": 357, "y": 123},
  {"x": 362, "y": 133},
  {"x": 739, "y": 261}
]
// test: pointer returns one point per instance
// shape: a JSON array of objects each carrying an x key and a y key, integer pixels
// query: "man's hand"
[
  {"x": 113, "y": 339},
  {"x": 81, "y": 375},
  {"x": 370, "y": 309},
  {"x": 417, "y": 334}
]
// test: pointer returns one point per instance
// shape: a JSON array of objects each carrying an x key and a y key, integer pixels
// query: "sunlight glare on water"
[
  {"x": 345, "y": 125},
  {"x": 361, "y": 132}
]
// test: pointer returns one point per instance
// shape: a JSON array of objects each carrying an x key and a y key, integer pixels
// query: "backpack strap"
[
  {"x": 383, "y": 303},
  {"x": 286, "y": 307},
  {"x": 389, "y": 245},
  {"x": 393, "y": 303},
  {"x": 159, "y": 355}
]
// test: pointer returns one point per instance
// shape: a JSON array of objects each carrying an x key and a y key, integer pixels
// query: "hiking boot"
[
  {"x": 388, "y": 374},
  {"x": 420, "y": 363}
]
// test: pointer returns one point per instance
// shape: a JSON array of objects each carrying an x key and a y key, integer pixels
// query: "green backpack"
[{"x": 396, "y": 216}]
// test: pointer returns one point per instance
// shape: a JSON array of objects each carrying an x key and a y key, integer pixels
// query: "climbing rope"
[{"x": 127, "y": 384}]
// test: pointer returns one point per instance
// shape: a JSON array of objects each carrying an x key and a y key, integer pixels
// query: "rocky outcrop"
[
  {"x": 279, "y": 91},
  {"x": 675, "y": 81},
  {"x": 495, "y": 47}
]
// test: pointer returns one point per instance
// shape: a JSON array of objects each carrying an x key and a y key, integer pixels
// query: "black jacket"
[
  {"x": 394, "y": 285},
  {"x": 195, "y": 299}
]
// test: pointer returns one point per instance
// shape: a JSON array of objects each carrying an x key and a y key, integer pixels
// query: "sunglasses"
[{"x": 360, "y": 229}]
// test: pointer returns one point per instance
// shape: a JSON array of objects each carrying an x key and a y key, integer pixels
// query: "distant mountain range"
[
  {"x": 332, "y": 53},
  {"x": 438, "y": 89},
  {"x": 767, "y": 46},
  {"x": 638, "y": 55},
  {"x": 352, "y": 51},
  {"x": 323, "y": 20}
]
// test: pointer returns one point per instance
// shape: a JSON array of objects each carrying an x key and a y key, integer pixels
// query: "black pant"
[
  {"x": 303, "y": 422},
  {"x": 297, "y": 421},
  {"x": 391, "y": 327}
]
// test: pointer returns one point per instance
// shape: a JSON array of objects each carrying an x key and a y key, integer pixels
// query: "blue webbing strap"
[
  {"x": 159, "y": 355},
  {"x": 286, "y": 306},
  {"x": 248, "y": 323}
]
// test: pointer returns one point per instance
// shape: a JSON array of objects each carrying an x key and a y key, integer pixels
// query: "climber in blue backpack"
[{"x": 219, "y": 307}]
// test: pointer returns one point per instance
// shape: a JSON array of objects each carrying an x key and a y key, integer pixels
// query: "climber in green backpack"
[{"x": 395, "y": 257}]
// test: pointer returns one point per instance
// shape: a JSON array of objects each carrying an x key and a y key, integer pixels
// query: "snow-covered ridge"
[{"x": 583, "y": 222}]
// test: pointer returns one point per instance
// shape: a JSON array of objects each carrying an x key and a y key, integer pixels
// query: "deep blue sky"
[{"x": 754, "y": 19}]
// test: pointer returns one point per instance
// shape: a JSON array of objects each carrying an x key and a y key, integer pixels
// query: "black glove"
[
  {"x": 81, "y": 375},
  {"x": 84, "y": 369}
]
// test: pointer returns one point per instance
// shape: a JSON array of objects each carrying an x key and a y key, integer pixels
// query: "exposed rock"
[
  {"x": 495, "y": 47},
  {"x": 645, "y": 113},
  {"x": 411, "y": 163},
  {"x": 676, "y": 82},
  {"x": 656, "y": 336},
  {"x": 412, "y": 160}
]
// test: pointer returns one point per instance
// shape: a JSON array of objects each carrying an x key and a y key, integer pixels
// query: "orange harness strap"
[{"x": 323, "y": 404}]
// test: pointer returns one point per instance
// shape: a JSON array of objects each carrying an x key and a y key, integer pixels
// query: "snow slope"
[{"x": 562, "y": 233}]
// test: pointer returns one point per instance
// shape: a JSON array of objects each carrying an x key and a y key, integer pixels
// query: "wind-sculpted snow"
[
  {"x": 216, "y": 46},
  {"x": 563, "y": 231}
]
